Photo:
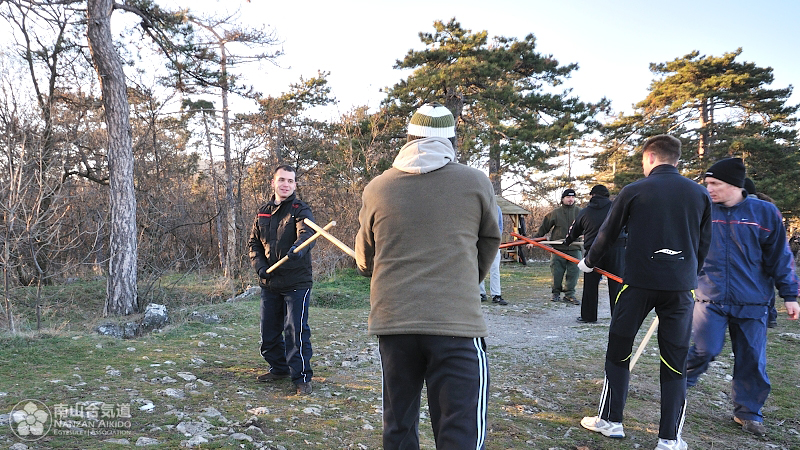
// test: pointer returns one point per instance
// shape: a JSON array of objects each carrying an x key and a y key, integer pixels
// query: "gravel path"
[{"x": 552, "y": 332}]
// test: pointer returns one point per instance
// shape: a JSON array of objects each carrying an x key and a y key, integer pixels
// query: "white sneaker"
[
  {"x": 604, "y": 427},
  {"x": 669, "y": 444}
]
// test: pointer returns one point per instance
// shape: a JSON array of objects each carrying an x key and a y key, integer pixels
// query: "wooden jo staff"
[
  {"x": 302, "y": 246},
  {"x": 565, "y": 256},
  {"x": 518, "y": 243},
  {"x": 331, "y": 238},
  {"x": 645, "y": 340}
]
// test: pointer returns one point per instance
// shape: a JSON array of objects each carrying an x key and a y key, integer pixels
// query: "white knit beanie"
[{"x": 432, "y": 120}]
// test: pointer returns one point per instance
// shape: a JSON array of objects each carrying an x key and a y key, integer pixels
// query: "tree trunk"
[
  {"x": 494, "y": 169},
  {"x": 278, "y": 153},
  {"x": 6, "y": 286},
  {"x": 454, "y": 101},
  {"x": 702, "y": 148},
  {"x": 569, "y": 160},
  {"x": 121, "y": 296},
  {"x": 230, "y": 260},
  {"x": 218, "y": 220}
]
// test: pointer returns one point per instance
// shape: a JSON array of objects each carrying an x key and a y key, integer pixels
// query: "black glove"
[
  {"x": 263, "y": 274},
  {"x": 295, "y": 256}
]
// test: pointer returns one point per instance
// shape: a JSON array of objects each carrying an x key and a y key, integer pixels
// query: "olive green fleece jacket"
[
  {"x": 559, "y": 220},
  {"x": 428, "y": 236}
]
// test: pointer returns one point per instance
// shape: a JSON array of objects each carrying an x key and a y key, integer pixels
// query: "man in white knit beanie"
[{"x": 428, "y": 235}]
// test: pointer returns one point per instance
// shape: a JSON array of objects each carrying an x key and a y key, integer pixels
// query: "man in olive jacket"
[
  {"x": 428, "y": 235},
  {"x": 559, "y": 220}
]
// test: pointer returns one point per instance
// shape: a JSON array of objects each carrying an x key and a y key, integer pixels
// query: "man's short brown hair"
[
  {"x": 666, "y": 148},
  {"x": 285, "y": 168}
]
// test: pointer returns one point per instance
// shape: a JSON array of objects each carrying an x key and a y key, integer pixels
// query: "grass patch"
[
  {"x": 78, "y": 306},
  {"x": 345, "y": 289}
]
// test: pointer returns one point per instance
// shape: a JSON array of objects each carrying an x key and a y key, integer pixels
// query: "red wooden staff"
[
  {"x": 517, "y": 243},
  {"x": 528, "y": 240}
]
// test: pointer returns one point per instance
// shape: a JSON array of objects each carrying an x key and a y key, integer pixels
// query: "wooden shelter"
[{"x": 517, "y": 215}]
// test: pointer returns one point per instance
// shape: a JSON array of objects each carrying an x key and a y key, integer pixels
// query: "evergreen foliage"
[
  {"x": 502, "y": 94},
  {"x": 718, "y": 107}
]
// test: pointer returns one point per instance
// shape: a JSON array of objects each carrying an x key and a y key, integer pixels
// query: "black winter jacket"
[
  {"x": 589, "y": 221},
  {"x": 668, "y": 217},
  {"x": 276, "y": 229}
]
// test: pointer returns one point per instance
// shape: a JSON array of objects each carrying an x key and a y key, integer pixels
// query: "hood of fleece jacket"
[{"x": 424, "y": 155}]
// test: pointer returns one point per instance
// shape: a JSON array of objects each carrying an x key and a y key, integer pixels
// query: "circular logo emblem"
[{"x": 30, "y": 420}]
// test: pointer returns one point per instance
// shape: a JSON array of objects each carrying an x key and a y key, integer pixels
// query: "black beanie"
[
  {"x": 568, "y": 193},
  {"x": 599, "y": 190},
  {"x": 749, "y": 186},
  {"x": 729, "y": 170}
]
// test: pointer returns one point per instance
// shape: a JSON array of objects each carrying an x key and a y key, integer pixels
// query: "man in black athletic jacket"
[{"x": 668, "y": 218}]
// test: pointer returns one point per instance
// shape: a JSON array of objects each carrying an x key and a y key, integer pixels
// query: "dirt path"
[{"x": 544, "y": 332}]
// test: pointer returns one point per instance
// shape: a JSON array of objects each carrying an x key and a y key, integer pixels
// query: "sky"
[{"x": 613, "y": 42}]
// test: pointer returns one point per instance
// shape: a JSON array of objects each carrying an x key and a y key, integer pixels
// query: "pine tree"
[
  {"x": 718, "y": 107},
  {"x": 502, "y": 93}
]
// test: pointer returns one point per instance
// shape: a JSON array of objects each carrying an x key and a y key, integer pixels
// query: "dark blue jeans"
[{"x": 285, "y": 334}]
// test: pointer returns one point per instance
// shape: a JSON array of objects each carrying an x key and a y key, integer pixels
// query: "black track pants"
[
  {"x": 456, "y": 374},
  {"x": 674, "y": 310}
]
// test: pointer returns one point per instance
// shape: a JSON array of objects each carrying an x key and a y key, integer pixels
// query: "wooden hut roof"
[{"x": 508, "y": 207}]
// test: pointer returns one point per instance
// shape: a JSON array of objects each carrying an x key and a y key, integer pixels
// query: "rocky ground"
[{"x": 192, "y": 385}]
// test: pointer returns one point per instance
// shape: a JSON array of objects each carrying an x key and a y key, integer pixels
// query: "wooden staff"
[
  {"x": 331, "y": 238},
  {"x": 565, "y": 256},
  {"x": 577, "y": 244},
  {"x": 516, "y": 243},
  {"x": 302, "y": 246},
  {"x": 643, "y": 344}
]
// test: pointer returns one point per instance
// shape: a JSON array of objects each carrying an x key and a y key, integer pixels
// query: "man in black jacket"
[
  {"x": 668, "y": 218},
  {"x": 277, "y": 231},
  {"x": 588, "y": 224}
]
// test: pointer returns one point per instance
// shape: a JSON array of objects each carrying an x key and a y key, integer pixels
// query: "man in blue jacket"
[
  {"x": 748, "y": 251},
  {"x": 668, "y": 217}
]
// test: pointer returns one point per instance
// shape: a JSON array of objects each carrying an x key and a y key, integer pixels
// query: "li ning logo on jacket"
[{"x": 668, "y": 254}]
